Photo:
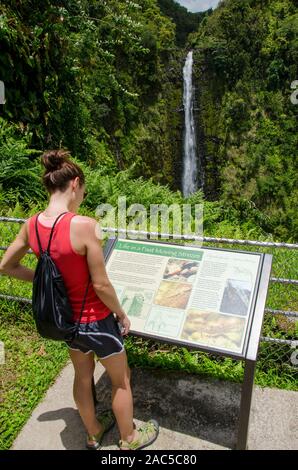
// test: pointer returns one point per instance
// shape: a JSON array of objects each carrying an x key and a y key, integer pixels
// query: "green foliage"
[
  {"x": 97, "y": 62},
  {"x": 104, "y": 80},
  {"x": 107, "y": 188},
  {"x": 185, "y": 21},
  {"x": 248, "y": 50},
  {"x": 19, "y": 171},
  {"x": 272, "y": 369}
]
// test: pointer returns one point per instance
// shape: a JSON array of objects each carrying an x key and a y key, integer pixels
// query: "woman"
[{"x": 76, "y": 251}]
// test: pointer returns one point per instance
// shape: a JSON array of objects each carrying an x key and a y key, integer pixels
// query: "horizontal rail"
[
  {"x": 186, "y": 237},
  {"x": 287, "y": 313},
  {"x": 281, "y": 280},
  {"x": 292, "y": 343},
  {"x": 179, "y": 236}
]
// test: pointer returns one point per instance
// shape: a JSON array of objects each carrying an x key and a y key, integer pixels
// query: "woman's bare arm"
[{"x": 10, "y": 263}]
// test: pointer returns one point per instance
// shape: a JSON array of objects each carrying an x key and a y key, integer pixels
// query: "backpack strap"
[
  {"x": 37, "y": 236},
  {"x": 51, "y": 234},
  {"x": 84, "y": 300},
  {"x": 48, "y": 248}
]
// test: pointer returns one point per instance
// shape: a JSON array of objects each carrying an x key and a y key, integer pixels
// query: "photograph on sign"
[{"x": 198, "y": 296}]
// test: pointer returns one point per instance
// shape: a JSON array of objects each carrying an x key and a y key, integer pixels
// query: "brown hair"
[{"x": 59, "y": 170}]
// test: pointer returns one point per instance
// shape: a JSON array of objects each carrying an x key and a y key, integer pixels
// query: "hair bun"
[{"x": 54, "y": 159}]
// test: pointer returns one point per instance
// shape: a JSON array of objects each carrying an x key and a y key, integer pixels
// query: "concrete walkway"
[{"x": 193, "y": 413}]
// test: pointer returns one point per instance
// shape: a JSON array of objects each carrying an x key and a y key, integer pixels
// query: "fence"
[{"x": 279, "y": 341}]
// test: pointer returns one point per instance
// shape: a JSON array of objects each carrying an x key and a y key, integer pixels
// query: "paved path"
[{"x": 193, "y": 412}]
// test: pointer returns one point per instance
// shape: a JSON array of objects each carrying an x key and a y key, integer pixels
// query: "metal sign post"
[
  {"x": 252, "y": 352},
  {"x": 203, "y": 298}
]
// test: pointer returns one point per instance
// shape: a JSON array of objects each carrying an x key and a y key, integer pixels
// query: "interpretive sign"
[
  {"x": 210, "y": 299},
  {"x": 193, "y": 296}
]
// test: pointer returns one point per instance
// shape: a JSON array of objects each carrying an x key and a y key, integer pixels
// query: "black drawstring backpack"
[{"x": 52, "y": 311}]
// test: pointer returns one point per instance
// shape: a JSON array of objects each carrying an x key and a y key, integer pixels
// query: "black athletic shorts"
[{"x": 103, "y": 337}]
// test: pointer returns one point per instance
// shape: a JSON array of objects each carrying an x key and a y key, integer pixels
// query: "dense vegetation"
[
  {"x": 246, "y": 55},
  {"x": 104, "y": 79},
  {"x": 185, "y": 21},
  {"x": 98, "y": 62}
]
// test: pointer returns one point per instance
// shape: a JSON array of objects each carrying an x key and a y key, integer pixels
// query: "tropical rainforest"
[{"x": 104, "y": 80}]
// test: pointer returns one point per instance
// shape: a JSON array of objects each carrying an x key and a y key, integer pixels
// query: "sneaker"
[
  {"x": 147, "y": 434},
  {"x": 107, "y": 420}
]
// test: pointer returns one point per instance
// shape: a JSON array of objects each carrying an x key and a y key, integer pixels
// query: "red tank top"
[{"x": 72, "y": 266}]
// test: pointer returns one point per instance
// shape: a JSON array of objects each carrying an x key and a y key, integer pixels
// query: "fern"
[{"x": 18, "y": 170}]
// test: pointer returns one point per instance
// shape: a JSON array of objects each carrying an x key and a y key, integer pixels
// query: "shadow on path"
[{"x": 203, "y": 408}]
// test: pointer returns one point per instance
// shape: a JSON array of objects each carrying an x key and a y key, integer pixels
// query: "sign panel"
[{"x": 192, "y": 296}]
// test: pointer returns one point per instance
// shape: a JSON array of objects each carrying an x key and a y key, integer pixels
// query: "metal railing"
[{"x": 283, "y": 287}]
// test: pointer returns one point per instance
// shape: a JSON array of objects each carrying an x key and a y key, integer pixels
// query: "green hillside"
[{"x": 104, "y": 79}]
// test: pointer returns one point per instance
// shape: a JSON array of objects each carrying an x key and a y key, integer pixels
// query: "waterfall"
[{"x": 189, "y": 176}]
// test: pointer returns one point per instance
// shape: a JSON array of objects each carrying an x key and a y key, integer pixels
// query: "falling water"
[{"x": 189, "y": 176}]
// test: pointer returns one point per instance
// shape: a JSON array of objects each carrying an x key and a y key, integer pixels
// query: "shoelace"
[{"x": 145, "y": 429}]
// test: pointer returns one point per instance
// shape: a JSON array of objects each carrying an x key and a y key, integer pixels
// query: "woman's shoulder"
[
  {"x": 86, "y": 227},
  {"x": 29, "y": 219},
  {"x": 84, "y": 224},
  {"x": 28, "y": 224},
  {"x": 83, "y": 220}
]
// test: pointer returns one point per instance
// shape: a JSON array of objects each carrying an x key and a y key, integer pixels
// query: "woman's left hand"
[{"x": 125, "y": 323}]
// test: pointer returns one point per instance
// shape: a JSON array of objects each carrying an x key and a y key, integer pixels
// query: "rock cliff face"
[
  {"x": 163, "y": 155},
  {"x": 173, "y": 136},
  {"x": 208, "y": 90}
]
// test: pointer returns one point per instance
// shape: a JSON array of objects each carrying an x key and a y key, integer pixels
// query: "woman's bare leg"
[
  {"x": 82, "y": 389},
  {"x": 122, "y": 401}
]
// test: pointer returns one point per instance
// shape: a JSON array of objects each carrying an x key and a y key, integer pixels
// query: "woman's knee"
[
  {"x": 122, "y": 381},
  {"x": 118, "y": 371},
  {"x": 84, "y": 366},
  {"x": 83, "y": 378}
]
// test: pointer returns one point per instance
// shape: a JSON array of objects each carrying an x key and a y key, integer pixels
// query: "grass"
[{"x": 273, "y": 366}]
